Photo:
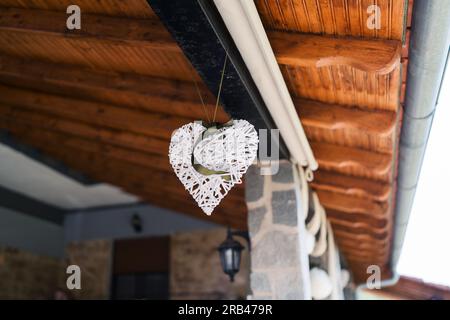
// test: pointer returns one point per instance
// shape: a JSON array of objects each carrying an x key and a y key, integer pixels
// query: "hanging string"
[
  {"x": 201, "y": 98},
  {"x": 218, "y": 94},
  {"x": 220, "y": 86}
]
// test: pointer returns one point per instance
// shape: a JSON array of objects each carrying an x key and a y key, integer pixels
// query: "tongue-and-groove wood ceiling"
[
  {"x": 349, "y": 101},
  {"x": 104, "y": 100}
]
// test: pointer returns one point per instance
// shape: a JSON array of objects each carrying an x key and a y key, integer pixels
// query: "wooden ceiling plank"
[
  {"x": 333, "y": 17},
  {"x": 358, "y": 235},
  {"x": 371, "y": 259},
  {"x": 44, "y": 137},
  {"x": 138, "y": 150},
  {"x": 129, "y": 8},
  {"x": 362, "y": 238},
  {"x": 147, "y": 33},
  {"x": 380, "y": 258},
  {"x": 19, "y": 130},
  {"x": 348, "y": 126},
  {"x": 351, "y": 186},
  {"x": 355, "y": 162},
  {"x": 335, "y": 117},
  {"x": 141, "y": 48},
  {"x": 147, "y": 123},
  {"x": 351, "y": 205},
  {"x": 357, "y": 245},
  {"x": 383, "y": 255},
  {"x": 367, "y": 221},
  {"x": 367, "y": 250},
  {"x": 305, "y": 50},
  {"x": 161, "y": 95},
  {"x": 349, "y": 86},
  {"x": 352, "y": 139},
  {"x": 97, "y": 55},
  {"x": 144, "y": 168},
  {"x": 358, "y": 227},
  {"x": 78, "y": 129}
]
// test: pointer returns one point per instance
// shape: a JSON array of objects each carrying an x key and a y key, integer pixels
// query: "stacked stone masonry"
[{"x": 276, "y": 268}]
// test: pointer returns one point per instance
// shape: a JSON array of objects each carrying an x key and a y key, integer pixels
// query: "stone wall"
[
  {"x": 24, "y": 275},
  {"x": 195, "y": 270},
  {"x": 279, "y": 263},
  {"x": 94, "y": 258},
  {"x": 195, "y": 267}
]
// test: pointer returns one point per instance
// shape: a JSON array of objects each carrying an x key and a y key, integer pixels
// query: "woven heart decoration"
[{"x": 210, "y": 161}]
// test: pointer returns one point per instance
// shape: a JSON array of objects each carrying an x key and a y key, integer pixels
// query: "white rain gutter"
[{"x": 242, "y": 20}]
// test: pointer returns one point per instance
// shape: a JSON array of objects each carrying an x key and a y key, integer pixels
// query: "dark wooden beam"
[
  {"x": 306, "y": 50},
  {"x": 200, "y": 32},
  {"x": 15, "y": 201}
]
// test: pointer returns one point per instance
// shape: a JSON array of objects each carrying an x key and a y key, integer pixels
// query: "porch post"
[{"x": 279, "y": 261}]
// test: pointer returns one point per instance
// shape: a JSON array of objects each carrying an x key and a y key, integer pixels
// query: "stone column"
[{"x": 279, "y": 261}]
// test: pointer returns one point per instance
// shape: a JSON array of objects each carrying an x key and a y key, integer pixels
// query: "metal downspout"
[{"x": 428, "y": 55}]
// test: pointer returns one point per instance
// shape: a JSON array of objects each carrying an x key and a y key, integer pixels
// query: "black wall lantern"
[
  {"x": 136, "y": 223},
  {"x": 230, "y": 252}
]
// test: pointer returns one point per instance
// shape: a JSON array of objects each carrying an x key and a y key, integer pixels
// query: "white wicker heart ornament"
[{"x": 210, "y": 161}]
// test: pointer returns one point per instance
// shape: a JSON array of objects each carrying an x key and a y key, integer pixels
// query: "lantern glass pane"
[
  {"x": 236, "y": 259},
  {"x": 229, "y": 259}
]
